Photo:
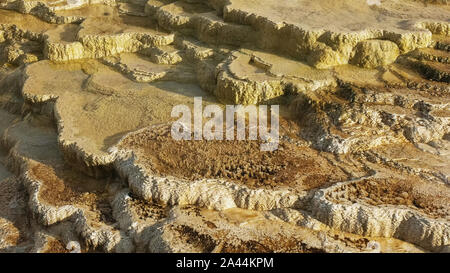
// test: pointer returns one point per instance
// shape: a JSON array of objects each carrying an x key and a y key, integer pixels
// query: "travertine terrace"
[{"x": 87, "y": 162}]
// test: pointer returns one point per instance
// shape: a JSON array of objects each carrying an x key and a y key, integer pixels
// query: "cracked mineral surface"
[{"x": 87, "y": 162}]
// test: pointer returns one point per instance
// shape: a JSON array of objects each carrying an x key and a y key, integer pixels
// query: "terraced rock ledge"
[{"x": 87, "y": 162}]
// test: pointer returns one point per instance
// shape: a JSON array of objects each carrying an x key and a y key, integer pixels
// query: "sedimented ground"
[{"x": 87, "y": 162}]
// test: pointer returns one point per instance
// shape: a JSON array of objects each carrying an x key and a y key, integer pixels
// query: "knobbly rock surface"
[
  {"x": 375, "y": 53},
  {"x": 87, "y": 163}
]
